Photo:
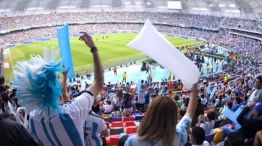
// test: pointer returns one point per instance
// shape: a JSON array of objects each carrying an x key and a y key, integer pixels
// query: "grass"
[{"x": 112, "y": 51}]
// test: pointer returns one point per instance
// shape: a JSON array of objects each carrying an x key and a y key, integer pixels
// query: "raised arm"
[
  {"x": 192, "y": 103},
  {"x": 65, "y": 94},
  {"x": 98, "y": 69}
]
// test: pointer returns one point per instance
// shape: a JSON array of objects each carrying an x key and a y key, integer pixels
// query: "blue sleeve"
[{"x": 181, "y": 129}]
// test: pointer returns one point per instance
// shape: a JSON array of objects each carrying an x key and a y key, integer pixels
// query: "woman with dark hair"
[{"x": 159, "y": 125}]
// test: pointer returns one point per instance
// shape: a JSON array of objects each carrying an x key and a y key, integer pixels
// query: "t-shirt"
[
  {"x": 208, "y": 127},
  {"x": 256, "y": 96},
  {"x": 12, "y": 134},
  {"x": 179, "y": 140},
  {"x": 141, "y": 98},
  {"x": 92, "y": 130},
  {"x": 235, "y": 107},
  {"x": 64, "y": 127},
  {"x": 108, "y": 108}
]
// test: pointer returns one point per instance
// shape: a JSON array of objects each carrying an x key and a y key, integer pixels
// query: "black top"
[
  {"x": 14, "y": 134},
  {"x": 249, "y": 125}
]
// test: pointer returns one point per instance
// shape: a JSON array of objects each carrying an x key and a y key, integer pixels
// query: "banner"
[{"x": 65, "y": 49}]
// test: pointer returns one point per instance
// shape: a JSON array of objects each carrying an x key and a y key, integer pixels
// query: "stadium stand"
[{"x": 112, "y": 114}]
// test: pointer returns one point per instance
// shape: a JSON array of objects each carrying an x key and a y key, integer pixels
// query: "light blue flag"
[
  {"x": 212, "y": 95},
  {"x": 138, "y": 86},
  {"x": 65, "y": 49},
  {"x": 232, "y": 115}
]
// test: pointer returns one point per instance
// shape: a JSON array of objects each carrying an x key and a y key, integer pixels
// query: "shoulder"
[
  {"x": 85, "y": 98},
  {"x": 94, "y": 118},
  {"x": 131, "y": 141}
]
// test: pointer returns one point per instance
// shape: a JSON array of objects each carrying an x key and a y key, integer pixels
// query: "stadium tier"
[{"x": 131, "y": 73}]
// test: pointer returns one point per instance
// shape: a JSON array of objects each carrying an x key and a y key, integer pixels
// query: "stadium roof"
[{"x": 190, "y": 6}]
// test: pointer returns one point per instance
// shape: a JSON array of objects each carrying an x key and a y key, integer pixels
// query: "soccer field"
[{"x": 112, "y": 51}]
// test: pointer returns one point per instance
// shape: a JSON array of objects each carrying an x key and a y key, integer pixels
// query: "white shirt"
[
  {"x": 256, "y": 96},
  {"x": 108, "y": 108},
  {"x": 64, "y": 127},
  {"x": 92, "y": 130},
  {"x": 208, "y": 127}
]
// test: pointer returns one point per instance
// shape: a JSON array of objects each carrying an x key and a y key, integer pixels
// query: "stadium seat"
[
  {"x": 117, "y": 124},
  {"x": 139, "y": 117},
  {"x": 131, "y": 130},
  {"x": 113, "y": 139},
  {"x": 128, "y": 119},
  {"x": 129, "y": 123},
  {"x": 116, "y": 130}
]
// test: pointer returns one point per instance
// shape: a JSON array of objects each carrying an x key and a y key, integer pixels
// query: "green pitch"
[{"x": 112, "y": 51}]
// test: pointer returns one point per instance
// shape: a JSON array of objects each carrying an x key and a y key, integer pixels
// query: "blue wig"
[{"x": 37, "y": 84}]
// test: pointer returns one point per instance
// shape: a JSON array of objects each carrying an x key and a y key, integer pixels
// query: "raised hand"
[
  {"x": 65, "y": 73},
  {"x": 87, "y": 39}
]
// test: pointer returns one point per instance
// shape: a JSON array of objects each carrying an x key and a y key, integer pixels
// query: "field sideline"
[{"x": 112, "y": 51}]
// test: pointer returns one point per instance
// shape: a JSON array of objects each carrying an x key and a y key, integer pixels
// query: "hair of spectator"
[
  {"x": 198, "y": 134},
  {"x": 161, "y": 117}
]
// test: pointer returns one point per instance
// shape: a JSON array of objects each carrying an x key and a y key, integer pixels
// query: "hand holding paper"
[{"x": 154, "y": 45}]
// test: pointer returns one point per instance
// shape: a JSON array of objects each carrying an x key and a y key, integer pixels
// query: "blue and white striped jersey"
[
  {"x": 64, "y": 127},
  {"x": 92, "y": 130}
]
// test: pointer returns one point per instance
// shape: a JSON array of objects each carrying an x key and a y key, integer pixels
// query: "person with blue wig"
[{"x": 39, "y": 90}]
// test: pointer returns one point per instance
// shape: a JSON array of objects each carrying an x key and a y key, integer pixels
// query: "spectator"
[
  {"x": 122, "y": 140},
  {"x": 236, "y": 104},
  {"x": 127, "y": 103},
  {"x": 234, "y": 139},
  {"x": 197, "y": 137},
  {"x": 124, "y": 77},
  {"x": 39, "y": 91},
  {"x": 13, "y": 133},
  {"x": 94, "y": 129},
  {"x": 250, "y": 124},
  {"x": 158, "y": 124},
  {"x": 258, "y": 138},
  {"x": 108, "y": 107},
  {"x": 209, "y": 123},
  {"x": 256, "y": 96}
]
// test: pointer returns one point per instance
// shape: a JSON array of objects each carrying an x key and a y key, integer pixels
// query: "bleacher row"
[
  {"x": 129, "y": 125},
  {"x": 118, "y": 125}
]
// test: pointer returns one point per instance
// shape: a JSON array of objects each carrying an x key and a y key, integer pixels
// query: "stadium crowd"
[
  {"x": 36, "y": 109},
  {"x": 177, "y": 19},
  {"x": 241, "y": 45},
  {"x": 254, "y": 25},
  {"x": 238, "y": 44},
  {"x": 130, "y": 114},
  {"x": 50, "y": 32}
]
